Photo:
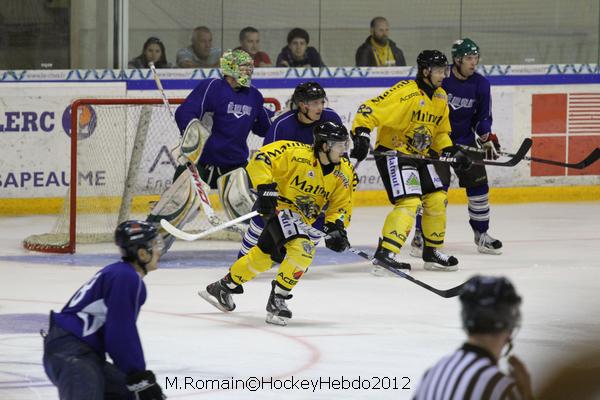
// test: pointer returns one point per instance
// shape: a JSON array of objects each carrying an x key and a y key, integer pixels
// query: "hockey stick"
[
  {"x": 516, "y": 158},
  {"x": 452, "y": 292},
  {"x": 179, "y": 234},
  {"x": 199, "y": 184},
  {"x": 586, "y": 162}
]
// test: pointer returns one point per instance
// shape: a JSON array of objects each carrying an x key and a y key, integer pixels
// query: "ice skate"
[
  {"x": 487, "y": 244},
  {"x": 220, "y": 295},
  {"x": 277, "y": 311},
  {"x": 384, "y": 256},
  {"x": 435, "y": 260},
  {"x": 416, "y": 246}
]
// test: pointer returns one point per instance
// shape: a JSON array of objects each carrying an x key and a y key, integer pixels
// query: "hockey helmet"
[
  {"x": 133, "y": 235},
  {"x": 464, "y": 47},
  {"x": 490, "y": 305},
  {"x": 430, "y": 59},
  {"x": 331, "y": 133},
  {"x": 307, "y": 91},
  {"x": 231, "y": 63}
]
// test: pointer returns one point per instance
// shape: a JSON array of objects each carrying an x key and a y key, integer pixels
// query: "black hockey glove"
[
  {"x": 266, "y": 203},
  {"x": 144, "y": 387},
  {"x": 362, "y": 140},
  {"x": 463, "y": 162},
  {"x": 337, "y": 239}
]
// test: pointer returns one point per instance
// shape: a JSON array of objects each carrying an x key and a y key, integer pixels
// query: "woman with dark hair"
[
  {"x": 298, "y": 53},
  {"x": 154, "y": 50}
]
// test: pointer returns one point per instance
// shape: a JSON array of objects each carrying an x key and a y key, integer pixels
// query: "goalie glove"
[
  {"x": 361, "y": 139},
  {"x": 144, "y": 387},
  {"x": 489, "y": 142},
  {"x": 266, "y": 203},
  {"x": 463, "y": 161},
  {"x": 337, "y": 238},
  {"x": 192, "y": 143}
]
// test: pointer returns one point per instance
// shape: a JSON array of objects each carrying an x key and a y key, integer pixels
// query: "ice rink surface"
[{"x": 349, "y": 327}]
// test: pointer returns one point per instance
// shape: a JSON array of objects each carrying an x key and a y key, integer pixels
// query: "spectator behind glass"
[
  {"x": 249, "y": 42},
  {"x": 200, "y": 54},
  {"x": 378, "y": 50},
  {"x": 154, "y": 50},
  {"x": 298, "y": 53}
]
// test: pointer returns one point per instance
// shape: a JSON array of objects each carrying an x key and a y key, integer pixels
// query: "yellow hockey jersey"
[
  {"x": 300, "y": 181},
  {"x": 406, "y": 119}
]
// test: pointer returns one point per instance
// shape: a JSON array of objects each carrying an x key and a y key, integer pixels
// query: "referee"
[{"x": 490, "y": 314}]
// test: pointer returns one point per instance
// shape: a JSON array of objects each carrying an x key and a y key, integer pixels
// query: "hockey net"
[{"x": 121, "y": 161}]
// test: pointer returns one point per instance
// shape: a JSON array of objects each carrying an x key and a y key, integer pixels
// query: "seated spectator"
[
  {"x": 378, "y": 50},
  {"x": 154, "y": 50},
  {"x": 298, "y": 53},
  {"x": 249, "y": 40},
  {"x": 200, "y": 54}
]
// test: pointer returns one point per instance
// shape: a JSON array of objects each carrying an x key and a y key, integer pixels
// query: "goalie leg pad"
[
  {"x": 179, "y": 204},
  {"x": 235, "y": 194}
]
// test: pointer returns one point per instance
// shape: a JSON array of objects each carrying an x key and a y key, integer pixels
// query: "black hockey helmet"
[
  {"x": 429, "y": 59},
  {"x": 489, "y": 305},
  {"x": 329, "y": 131},
  {"x": 307, "y": 91},
  {"x": 133, "y": 235}
]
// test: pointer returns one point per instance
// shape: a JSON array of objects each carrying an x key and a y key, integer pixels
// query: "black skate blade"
[{"x": 212, "y": 300}]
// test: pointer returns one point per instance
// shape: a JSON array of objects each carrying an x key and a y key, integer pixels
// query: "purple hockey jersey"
[
  {"x": 234, "y": 114},
  {"x": 287, "y": 127},
  {"x": 103, "y": 314},
  {"x": 470, "y": 107}
]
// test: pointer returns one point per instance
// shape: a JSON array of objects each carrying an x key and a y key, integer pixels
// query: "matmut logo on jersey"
[
  {"x": 239, "y": 110},
  {"x": 304, "y": 186}
]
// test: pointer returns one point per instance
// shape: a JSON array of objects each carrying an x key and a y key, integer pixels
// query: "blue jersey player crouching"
[{"x": 99, "y": 319}]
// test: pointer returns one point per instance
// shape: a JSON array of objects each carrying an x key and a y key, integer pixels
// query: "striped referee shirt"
[{"x": 469, "y": 373}]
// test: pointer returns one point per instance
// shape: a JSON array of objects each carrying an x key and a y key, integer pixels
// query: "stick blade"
[{"x": 178, "y": 233}]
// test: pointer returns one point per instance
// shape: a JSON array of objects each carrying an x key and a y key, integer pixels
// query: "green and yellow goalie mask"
[{"x": 239, "y": 65}]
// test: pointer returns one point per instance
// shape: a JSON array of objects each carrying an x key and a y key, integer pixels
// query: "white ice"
[{"x": 347, "y": 323}]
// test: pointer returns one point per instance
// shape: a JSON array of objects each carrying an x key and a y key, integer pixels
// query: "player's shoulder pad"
[
  {"x": 440, "y": 93},
  {"x": 281, "y": 147},
  {"x": 122, "y": 271},
  {"x": 346, "y": 173},
  {"x": 404, "y": 90}
]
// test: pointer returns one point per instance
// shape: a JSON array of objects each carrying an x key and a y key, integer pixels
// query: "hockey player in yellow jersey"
[
  {"x": 293, "y": 180},
  {"x": 411, "y": 118}
]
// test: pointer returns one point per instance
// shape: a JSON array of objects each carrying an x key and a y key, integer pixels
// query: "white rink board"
[{"x": 37, "y": 161}]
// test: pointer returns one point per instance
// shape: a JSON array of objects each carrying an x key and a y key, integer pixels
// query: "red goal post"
[{"x": 120, "y": 158}]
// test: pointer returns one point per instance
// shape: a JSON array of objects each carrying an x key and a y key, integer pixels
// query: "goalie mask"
[
  {"x": 490, "y": 305},
  {"x": 239, "y": 65}
]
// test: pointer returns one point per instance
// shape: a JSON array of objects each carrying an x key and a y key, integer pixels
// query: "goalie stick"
[
  {"x": 179, "y": 234},
  {"x": 514, "y": 160},
  {"x": 199, "y": 184},
  {"x": 452, "y": 292}
]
